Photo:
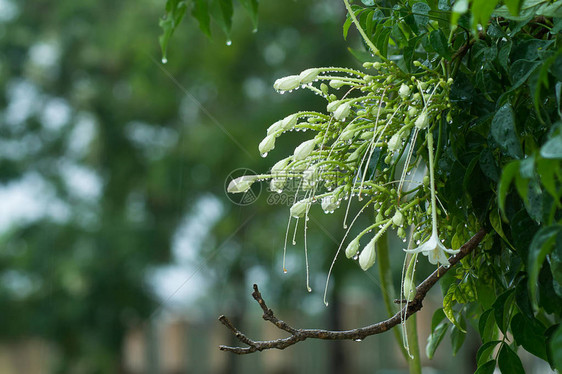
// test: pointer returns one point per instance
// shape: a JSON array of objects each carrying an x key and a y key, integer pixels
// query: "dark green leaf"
[
  {"x": 508, "y": 174},
  {"x": 509, "y": 362},
  {"x": 200, "y": 12},
  {"x": 555, "y": 348},
  {"x": 421, "y": 12},
  {"x": 435, "y": 338},
  {"x": 487, "y": 368},
  {"x": 175, "y": 11},
  {"x": 529, "y": 333},
  {"x": 457, "y": 338},
  {"x": 251, "y": 7},
  {"x": 521, "y": 70},
  {"x": 502, "y": 309},
  {"x": 485, "y": 351},
  {"x": 439, "y": 43},
  {"x": 542, "y": 244},
  {"x": 504, "y": 131}
]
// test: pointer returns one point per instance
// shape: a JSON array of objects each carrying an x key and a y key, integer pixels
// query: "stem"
[
  {"x": 412, "y": 335},
  {"x": 432, "y": 183},
  {"x": 368, "y": 41},
  {"x": 385, "y": 276}
]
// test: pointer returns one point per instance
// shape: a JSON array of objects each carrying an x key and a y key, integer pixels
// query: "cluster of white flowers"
[{"x": 358, "y": 149}]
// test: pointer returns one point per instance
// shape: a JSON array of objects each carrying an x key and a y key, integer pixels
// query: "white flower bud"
[
  {"x": 309, "y": 75},
  {"x": 330, "y": 203},
  {"x": 333, "y": 106},
  {"x": 352, "y": 248},
  {"x": 276, "y": 127},
  {"x": 422, "y": 122},
  {"x": 409, "y": 289},
  {"x": 348, "y": 133},
  {"x": 289, "y": 122},
  {"x": 300, "y": 208},
  {"x": 287, "y": 83},
  {"x": 336, "y": 83},
  {"x": 267, "y": 144},
  {"x": 368, "y": 255},
  {"x": 280, "y": 165},
  {"x": 398, "y": 218},
  {"x": 394, "y": 142},
  {"x": 342, "y": 111},
  {"x": 412, "y": 111},
  {"x": 277, "y": 184},
  {"x": 404, "y": 91},
  {"x": 241, "y": 184},
  {"x": 304, "y": 150}
]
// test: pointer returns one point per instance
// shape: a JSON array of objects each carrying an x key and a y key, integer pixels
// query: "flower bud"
[
  {"x": 409, "y": 289},
  {"x": 422, "y": 122},
  {"x": 394, "y": 142},
  {"x": 267, "y": 144},
  {"x": 333, "y": 106},
  {"x": 309, "y": 75},
  {"x": 280, "y": 165},
  {"x": 287, "y": 83},
  {"x": 412, "y": 111},
  {"x": 336, "y": 83},
  {"x": 324, "y": 88},
  {"x": 241, "y": 184},
  {"x": 352, "y": 248},
  {"x": 404, "y": 91},
  {"x": 368, "y": 255},
  {"x": 342, "y": 111},
  {"x": 276, "y": 127},
  {"x": 348, "y": 134},
  {"x": 289, "y": 122},
  {"x": 330, "y": 203},
  {"x": 277, "y": 184},
  {"x": 304, "y": 150},
  {"x": 398, "y": 218},
  {"x": 300, "y": 208}
]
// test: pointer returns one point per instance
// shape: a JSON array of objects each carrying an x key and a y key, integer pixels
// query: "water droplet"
[
  {"x": 309, "y": 289},
  {"x": 255, "y": 30},
  {"x": 285, "y": 271},
  {"x": 264, "y": 154},
  {"x": 294, "y": 242},
  {"x": 229, "y": 42},
  {"x": 164, "y": 60},
  {"x": 358, "y": 340}
]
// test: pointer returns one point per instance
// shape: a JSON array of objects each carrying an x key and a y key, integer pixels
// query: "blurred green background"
[{"x": 119, "y": 247}]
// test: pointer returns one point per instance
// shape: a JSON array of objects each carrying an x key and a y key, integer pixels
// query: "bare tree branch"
[{"x": 361, "y": 333}]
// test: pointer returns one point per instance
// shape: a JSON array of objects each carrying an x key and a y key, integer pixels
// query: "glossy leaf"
[
  {"x": 502, "y": 309},
  {"x": 485, "y": 351},
  {"x": 529, "y": 333},
  {"x": 504, "y": 131},
  {"x": 542, "y": 244},
  {"x": 487, "y": 368},
  {"x": 509, "y": 362}
]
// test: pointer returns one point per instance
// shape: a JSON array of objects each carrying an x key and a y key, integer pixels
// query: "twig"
[{"x": 298, "y": 335}]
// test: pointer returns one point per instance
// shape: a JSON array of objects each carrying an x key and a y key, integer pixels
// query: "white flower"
[
  {"x": 309, "y": 75},
  {"x": 394, "y": 142},
  {"x": 368, "y": 255},
  {"x": 336, "y": 83},
  {"x": 342, "y": 111},
  {"x": 330, "y": 203},
  {"x": 280, "y": 165},
  {"x": 267, "y": 144},
  {"x": 304, "y": 149},
  {"x": 404, "y": 91},
  {"x": 300, "y": 208},
  {"x": 434, "y": 250},
  {"x": 422, "y": 121},
  {"x": 287, "y": 83},
  {"x": 241, "y": 184},
  {"x": 352, "y": 248},
  {"x": 289, "y": 122}
]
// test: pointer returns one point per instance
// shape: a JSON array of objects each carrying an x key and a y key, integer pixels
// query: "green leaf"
[
  {"x": 175, "y": 11},
  {"x": 541, "y": 245},
  {"x": 457, "y": 338},
  {"x": 509, "y": 362},
  {"x": 521, "y": 70},
  {"x": 514, "y": 6},
  {"x": 222, "y": 10},
  {"x": 481, "y": 12},
  {"x": 552, "y": 149},
  {"x": 508, "y": 174},
  {"x": 435, "y": 338},
  {"x": 487, "y": 368},
  {"x": 439, "y": 43},
  {"x": 502, "y": 309},
  {"x": 251, "y": 7},
  {"x": 546, "y": 170},
  {"x": 485, "y": 351},
  {"x": 459, "y": 8},
  {"x": 529, "y": 333},
  {"x": 200, "y": 12},
  {"x": 555, "y": 348},
  {"x": 504, "y": 131},
  {"x": 421, "y": 13}
]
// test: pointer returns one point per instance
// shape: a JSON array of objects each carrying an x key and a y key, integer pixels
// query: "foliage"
[{"x": 484, "y": 79}]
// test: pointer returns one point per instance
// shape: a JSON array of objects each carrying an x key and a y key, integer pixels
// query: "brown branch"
[{"x": 361, "y": 333}]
